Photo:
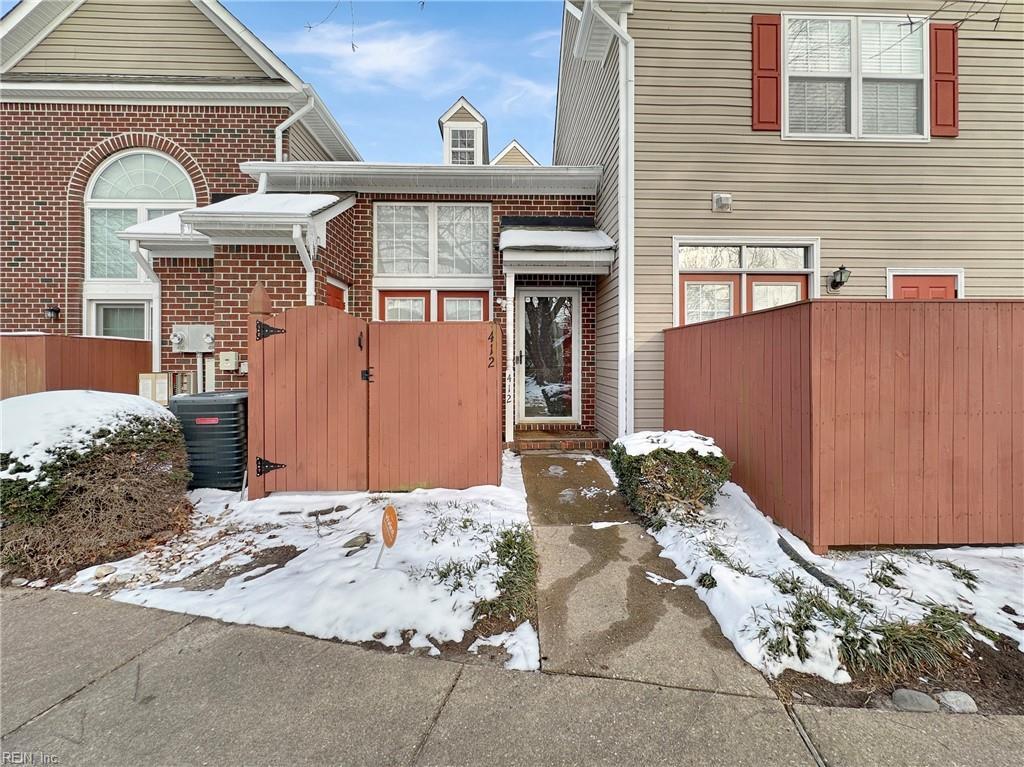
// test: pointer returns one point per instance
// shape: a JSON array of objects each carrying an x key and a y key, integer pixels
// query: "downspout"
[
  {"x": 307, "y": 263},
  {"x": 147, "y": 267},
  {"x": 280, "y": 129},
  {"x": 261, "y": 185},
  {"x": 627, "y": 216}
]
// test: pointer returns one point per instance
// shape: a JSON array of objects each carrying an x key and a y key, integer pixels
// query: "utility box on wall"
[{"x": 195, "y": 339}]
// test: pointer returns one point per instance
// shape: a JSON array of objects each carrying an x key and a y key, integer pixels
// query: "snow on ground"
[
  {"x": 32, "y": 425},
  {"x": 440, "y": 567},
  {"x": 522, "y": 646},
  {"x": 738, "y": 547}
]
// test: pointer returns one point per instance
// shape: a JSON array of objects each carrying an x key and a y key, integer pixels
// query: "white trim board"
[
  {"x": 945, "y": 271},
  {"x": 813, "y": 273}
]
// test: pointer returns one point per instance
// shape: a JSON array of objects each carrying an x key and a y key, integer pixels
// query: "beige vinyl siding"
[
  {"x": 126, "y": 37},
  {"x": 462, "y": 115},
  {"x": 587, "y": 133},
  {"x": 514, "y": 157},
  {"x": 302, "y": 146},
  {"x": 950, "y": 202}
]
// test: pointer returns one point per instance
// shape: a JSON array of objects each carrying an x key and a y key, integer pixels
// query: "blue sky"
[{"x": 412, "y": 62}]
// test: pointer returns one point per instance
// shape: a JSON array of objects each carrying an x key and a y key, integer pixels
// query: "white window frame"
[
  {"x": 433, "y": 278},
  {"x": 426, "y": 308},
  {"x": 813, "y": 272},
  {"x": 857, "y": 78},
  {"x": 434, "y": 310},
  {"x": 724, "y": 283},
  {"x": 478, "y": 140},
  {"x": 147, "y": 313},
  {"x": 577, "y": 352},
  {"x": 443, "y": 308},
  {"x": 935, "y": 271}
]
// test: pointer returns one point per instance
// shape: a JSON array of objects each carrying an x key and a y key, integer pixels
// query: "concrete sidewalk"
[
  {"x": 94, "y": 682},
  {"x": 601, "y": 613}
]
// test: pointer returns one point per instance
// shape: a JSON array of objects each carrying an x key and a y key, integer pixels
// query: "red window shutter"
[
  {"x": 944, "y": 86},
  {"x": 766, "y": 31}
]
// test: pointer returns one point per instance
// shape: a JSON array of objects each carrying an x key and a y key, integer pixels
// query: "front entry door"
[{"x": 548, "y": 355}]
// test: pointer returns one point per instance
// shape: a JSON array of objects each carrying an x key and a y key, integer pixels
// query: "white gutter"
[
  {"x": 143, "y": 262},
  {"x": 280, "y": 129},
  {"x": 627, "y": 216},
  {"x": 307, "y": 263}
]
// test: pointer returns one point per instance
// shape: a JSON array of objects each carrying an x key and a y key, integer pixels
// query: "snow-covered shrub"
[
  {"x": 668, "y": 473},
  {"x": 86, "y": 477}
]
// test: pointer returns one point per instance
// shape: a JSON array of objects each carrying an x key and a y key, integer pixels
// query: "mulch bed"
[{"x": 994, "y": 677}]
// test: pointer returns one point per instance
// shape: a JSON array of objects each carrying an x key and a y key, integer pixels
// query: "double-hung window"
[
  {"x": 463, "y": 148},
  {"x": 855, "y": 77}
]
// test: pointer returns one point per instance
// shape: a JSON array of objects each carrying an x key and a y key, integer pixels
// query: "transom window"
[
  {"x": 130, "y": 187},
  {"x": 854, "y": 77},
  {"x": 435, "y": 239},
  {"x": 463, "y": 146},
  {"x": 721, "y": 278}
]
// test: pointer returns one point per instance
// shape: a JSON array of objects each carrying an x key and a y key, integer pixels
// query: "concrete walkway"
[
  {"x": 88, "y": 681},
  {"x": 600, "y": 611}
]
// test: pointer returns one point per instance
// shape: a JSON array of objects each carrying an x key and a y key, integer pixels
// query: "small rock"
[
  {"x": 104, "y": 570},
  {"x": 123, "y": 578},
  {"x": 356, "y": 541},
  {"x": 958, "y": 702},
  {"x": 163, "y": 536},
  {"x": 19, "y": 581},
  {"x": 880, "y": 702},
  {"x": 913, "y": 700}
]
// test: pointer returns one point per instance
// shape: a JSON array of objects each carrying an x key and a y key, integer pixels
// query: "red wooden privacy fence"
[
  {"x": 865, "y": 422},
  {"x": 34, "y": 363},
  {"x": 336, "y": 403}
]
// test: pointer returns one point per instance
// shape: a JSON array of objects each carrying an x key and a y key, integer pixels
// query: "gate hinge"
[
  {"x": 367, "y": 375},
  {"x": 263, "y": 330},
  {"x": 263, "y": 466}
]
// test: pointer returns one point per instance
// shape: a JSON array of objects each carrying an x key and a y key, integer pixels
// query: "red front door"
[
  {"x": 335, "y": 296},
  {"x": 923, "y": 286}
]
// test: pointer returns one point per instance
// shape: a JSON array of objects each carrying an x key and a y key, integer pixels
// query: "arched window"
[
  {"x": 128, "y": 188},
  {"x": 133, "y": 186}
]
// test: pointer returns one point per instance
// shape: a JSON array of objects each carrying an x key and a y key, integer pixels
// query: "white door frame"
[
  {"x": 577, "y": 351},
  {"x": 935, "y": 271}
]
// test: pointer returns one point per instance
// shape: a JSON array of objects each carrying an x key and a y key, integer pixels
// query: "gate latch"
[
  {"x": 367, "y": 375},
  {"x": 263, "y": 466}
]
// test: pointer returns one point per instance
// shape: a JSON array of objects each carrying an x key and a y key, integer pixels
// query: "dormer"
[{"x": 463, "y": 134}]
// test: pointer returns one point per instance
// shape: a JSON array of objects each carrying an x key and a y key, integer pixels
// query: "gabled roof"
[
  {"x": 30, "y": 22},
  {"x": 514, "y": 146},
  {"x": 461, "y": 103}
]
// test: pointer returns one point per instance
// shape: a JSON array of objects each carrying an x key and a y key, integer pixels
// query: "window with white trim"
[
  {"x": 707, "y": 301},
  {"x": 122, "y": 320},
  {"x": 464, "y": 309},
  {"x": 403, "y": 309},
  {"x": 854, "y": 77},
  {"x": 130, "y": 187},
  {"x": 463, "y": 146},
  {"x": 432, "y": 239}
]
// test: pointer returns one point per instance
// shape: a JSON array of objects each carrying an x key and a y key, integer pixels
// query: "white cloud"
[
  {"x": 544, "y": 44},
  {"x": 385, "y": 56}
]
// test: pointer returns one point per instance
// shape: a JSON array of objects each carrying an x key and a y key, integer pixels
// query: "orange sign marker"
[{"x": 389, "y": 526}]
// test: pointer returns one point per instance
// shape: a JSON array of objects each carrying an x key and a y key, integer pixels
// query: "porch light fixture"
[
  {"x": 52, "y": 312},
  {"x": 839, "y": 278}
]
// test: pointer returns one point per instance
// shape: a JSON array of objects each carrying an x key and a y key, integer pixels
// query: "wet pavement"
[{"x": 607, "y": 606}]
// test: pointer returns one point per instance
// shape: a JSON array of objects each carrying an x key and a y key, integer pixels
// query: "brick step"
[{"x": 527, "y": 440}]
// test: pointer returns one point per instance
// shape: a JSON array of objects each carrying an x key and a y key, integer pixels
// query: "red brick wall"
[
  {"x": 335, "y": 259},
  {"x": 188, "y": 297},
  {"x": 361, "y": 293},
  {"x": 49, "y": 153},
  {"x": 237, "y": 270}
]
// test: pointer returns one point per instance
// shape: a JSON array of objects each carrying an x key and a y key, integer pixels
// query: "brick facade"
[
  {"x": 50, "y": 152},
  {"x": 361, "y": 292}
]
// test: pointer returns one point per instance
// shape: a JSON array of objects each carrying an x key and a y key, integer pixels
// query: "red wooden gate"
[{"x": 336, "y": 403}]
